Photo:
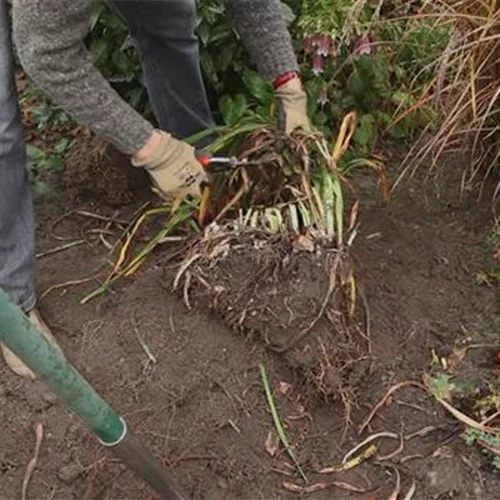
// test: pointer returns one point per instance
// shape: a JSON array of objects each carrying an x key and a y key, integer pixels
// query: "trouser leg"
[
  {"x": 17, "y": 238},
  {"x": 164, "y": 32}
]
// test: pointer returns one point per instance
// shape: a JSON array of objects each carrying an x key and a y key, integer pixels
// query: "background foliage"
[{"x": 354, "y": 55}]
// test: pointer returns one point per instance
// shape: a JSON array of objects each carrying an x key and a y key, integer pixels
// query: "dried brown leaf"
[
  {"x": 272, "y": 443},
  {"x": 284, "y": 388}
]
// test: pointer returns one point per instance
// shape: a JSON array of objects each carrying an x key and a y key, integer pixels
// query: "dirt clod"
[
  {"x": 293, "y": 301},
  {"x": 70, "y": 473},
  {"x": 95, "y": 169}
]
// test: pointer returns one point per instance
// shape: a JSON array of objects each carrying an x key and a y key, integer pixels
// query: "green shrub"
[{"x": 353, "y": 57}]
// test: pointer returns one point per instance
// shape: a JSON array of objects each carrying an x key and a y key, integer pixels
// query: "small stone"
[
  {"x": 70, "y": 473},
  {"x": 222, "y": 483},
  {"x": 50, "y": 399}
]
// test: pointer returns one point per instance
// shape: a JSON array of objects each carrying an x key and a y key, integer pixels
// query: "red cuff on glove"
[{"x": 284, "y": 78}]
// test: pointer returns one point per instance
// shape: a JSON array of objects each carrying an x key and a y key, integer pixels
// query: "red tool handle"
[{"x": 204, "y": 160}]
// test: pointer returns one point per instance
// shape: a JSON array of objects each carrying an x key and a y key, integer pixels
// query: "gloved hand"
[
  {"x": 173, "y": 167},
  {"x": 292, "y": 106}
]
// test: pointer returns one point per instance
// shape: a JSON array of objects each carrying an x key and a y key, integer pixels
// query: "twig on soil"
[
  {"x": 355, "y": 462},
  {"x": 491, "y": 418},
  {"x": 465, "y": 419},
  {"x": 313, "y": 488},
  {"x": 84, "y": 214},
  {"x": 149, "y": 354},
  {"x": 367, "y": 335},
  {"x": 421, "y": 433},
  {"x": 32, "y": 463},
  {"x": 395, "y": 453},
  {"x": 105, "y": 242},
  {"x": 411, "y": 457},
  {"x": 369, "y": 439},
  {"x": 60, "y": 248},
  {"x": 397, "y": 488},
  {"x": 105, "y": 218},
  {"x": 65, "y": 284},
  {"x": 459, "y": 354},
  {"x": 280, "y": 471},
  {"x": 277, "y": 420},
  {"x": 411, "y": 491},
  {"x": 394, "y": 388}
]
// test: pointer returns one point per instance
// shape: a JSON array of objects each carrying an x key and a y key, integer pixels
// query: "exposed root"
[
  {"x": 397, "y": 488},
  {"x": 66, "y": 284},
  {"x": 411, "y": 491},
  {"x": 61, "y": 248},
  {"x": 381, "y": 403},
  {"x": 331, "y": 287},
  {"x": 32, "y": 463},
  {"x": 395, "y": 453},
  {"x": 313, "y": 488},
  {"x": 296, "y": 301},
  {"x": 184, "y": 267}
]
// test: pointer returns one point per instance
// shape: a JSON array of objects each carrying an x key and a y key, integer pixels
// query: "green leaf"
[
  {"x": 62, "y": 145},
  {"x": 208, "y": 66},
  {"x": 442, "y": 386},
  {"x": 101, "y": 51},
  {"x": 257, "y": 86},
  {"x": 365, "y": 131},
  {"x": 34, "y": 153},
  {"x": 203, "y": 33},
  {"x": 95, "y": 13},
  {"x": 232, "y": 109},
  {"x": 220, "y": 33},
  {"x": 52, "y": 163},
  {"x": 240, "y": 106}
]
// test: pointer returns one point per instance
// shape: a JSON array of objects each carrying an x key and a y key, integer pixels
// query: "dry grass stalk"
[{"x": 465, "y": 90}]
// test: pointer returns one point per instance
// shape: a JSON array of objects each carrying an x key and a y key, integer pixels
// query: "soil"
[{"x": 194, "y": 395}]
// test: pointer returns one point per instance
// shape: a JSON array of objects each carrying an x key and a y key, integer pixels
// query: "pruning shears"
[{"x": 224, "y": 163}]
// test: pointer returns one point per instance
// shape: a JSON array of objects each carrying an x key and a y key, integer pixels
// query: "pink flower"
[
  {"x": 334, "y": 50},
  {"x": 308, "y": 44},
  {"x": 363, "y": 45},
  {"x": 318, "y": 64},
  {"x": 323, "y": 96},
  {"x": 323, "y": 43}
]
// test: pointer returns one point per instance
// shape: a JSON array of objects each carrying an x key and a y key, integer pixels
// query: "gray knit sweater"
[{"x": 49, "y": 37}]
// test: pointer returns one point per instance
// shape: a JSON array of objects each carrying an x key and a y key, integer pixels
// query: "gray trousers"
[
  {"x": 164, "y": 33},
  {"x": 17, "y": 228}
]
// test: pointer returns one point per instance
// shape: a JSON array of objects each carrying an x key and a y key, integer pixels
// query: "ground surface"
[{"x": 201, "y": 408}]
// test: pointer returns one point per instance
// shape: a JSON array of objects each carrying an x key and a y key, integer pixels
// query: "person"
[
  {"x": 49, "y": 37},
  {"x": 17, "y": 228}
]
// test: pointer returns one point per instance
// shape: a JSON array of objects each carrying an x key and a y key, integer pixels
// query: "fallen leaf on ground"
[
  {"x": 358, "y": 460},
  {"x": 284, "y": 388},
  {"x": 304, "y": 243},
  {"x": 272, "y": 443},
  {"x": 456, "y": 358}
]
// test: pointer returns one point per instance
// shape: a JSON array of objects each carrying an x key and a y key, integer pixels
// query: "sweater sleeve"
[
  {"x": 262, "y": 28},
  {"x": 49, "y": 37}
]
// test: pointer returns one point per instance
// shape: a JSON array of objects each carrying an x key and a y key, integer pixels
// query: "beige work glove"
[
  {"x": 174, "y": 168},
  {"x": 292, "y": 107}
]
